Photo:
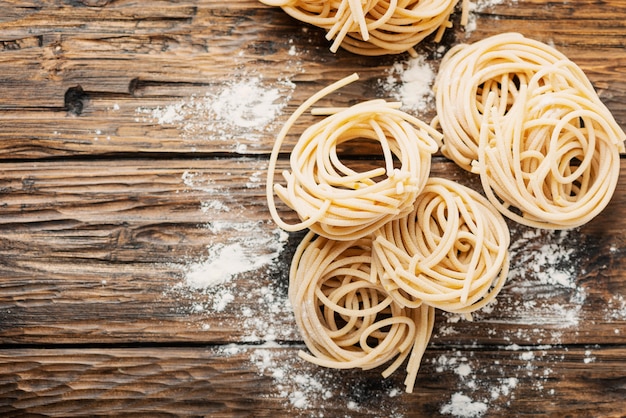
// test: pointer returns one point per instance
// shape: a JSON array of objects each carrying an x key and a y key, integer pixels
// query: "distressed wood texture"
[
  {"x": 208, "y": 382},
  {"x": 121, "y": 182}
]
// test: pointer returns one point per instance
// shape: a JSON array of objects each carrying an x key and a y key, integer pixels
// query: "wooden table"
[{"x": 125, "y": 193}]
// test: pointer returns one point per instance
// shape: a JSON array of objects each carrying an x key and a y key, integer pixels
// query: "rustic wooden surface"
[{"x": 105, "y": 205}]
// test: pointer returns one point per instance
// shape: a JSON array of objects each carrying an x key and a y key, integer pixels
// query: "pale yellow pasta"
[
  {"x": 466, "y": 76},
  {"x": 564, "y": 171},
  {"x": 373, "y": 27},
  {"x": 337, "y": 201},
  {"x": 346, "y": 318},
  {"x": 450, "y": 252},
  {"x": 528, "y": 120}
]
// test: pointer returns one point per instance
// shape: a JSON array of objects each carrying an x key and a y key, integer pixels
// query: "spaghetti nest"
[
  {"x": 529, "y": 121},
  {"x": 450, "y": 252},
  {"x": 338, "y": 201},
  {"x": 387, "y": 245},
  {"x": 344, "y": 314},
  {"x": 373, "y": 27}
]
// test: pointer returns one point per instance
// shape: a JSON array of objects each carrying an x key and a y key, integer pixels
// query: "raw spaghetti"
[
  {"x": 450, "y": 252},
  {"x": 528, "y": 120},
  {"x": 374, "y": 27},
  {"x": 337, "y": 201},
  {"x": 344, "y": 314}
]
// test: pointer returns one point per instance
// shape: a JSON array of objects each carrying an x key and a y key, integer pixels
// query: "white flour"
[
  {"x": 616, "y": 309},
  {"x": 410, "y": 82},
  {"x": 542, "y": 301},
  {"x": 463, "y": 406},
  {"x": 248, "y": 103},
  {"x": 542, "y": 294},
  {"x": 209, "y": 281},
  {"x": 481, "y": 388},
  {"x": 546, "y": 266},
  {"x": 209, "y": 287},
  {"x": 226, "y": 261},
  {"x": 246, "y": 107},
  {"x": 308, "y": 387},
  {"x": 478, "y": 7}
]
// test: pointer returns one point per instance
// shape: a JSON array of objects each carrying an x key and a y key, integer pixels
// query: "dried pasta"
[
  {"x": 528, "y": 120},
  {"x": 450, "y": 252},
  {"x": 333, "y": 199},
  {"x": 386, "y": 246},
  {"x": 345, "y": 316},
  {"x": 374, "y": 27}
]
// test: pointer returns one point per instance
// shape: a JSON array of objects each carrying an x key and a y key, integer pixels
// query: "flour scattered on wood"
[
  {"x": 480, "y": 6},
  {"x": 545, "y": 298},
  {"x": 226, "y": 261},
  {"x": 410, "y": 82},
  {"x": 236, "y": 246},
  {"x": 616, "y": 308},
  {"x": 209, "y": 280},
  {"x": 245, "y": 108},
  {"x": 312, "y": 391},
  {"x": 542, "y": 289},
  {"x": 209, "y": 292},
  {"x": 463, "y": 406},
  {"x": 482, "y": 388},
  {"x": 248, "y": 103},
  {"x": 303, "y": 388}
]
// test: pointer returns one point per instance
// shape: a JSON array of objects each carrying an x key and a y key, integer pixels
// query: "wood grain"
[
  {"x": 108, "y": 203},
  {"x": 104, "y": 65},
  {"x": 166, "y": 381},
  {"x": 88, "y": 248}
]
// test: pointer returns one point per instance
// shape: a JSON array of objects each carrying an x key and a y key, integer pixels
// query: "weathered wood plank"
[
  {"x": 104, "y": 251},
  {"x": 238, "y": 380},
  {"x": 121, "y": 66}
]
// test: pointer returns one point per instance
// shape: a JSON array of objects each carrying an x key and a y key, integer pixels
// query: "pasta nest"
[
  {"x": 528, "y": 120},
  {"x": 341, "y": 202},
  {"x": 372, "y": 27},
  {"x": 450, "y": 252},
  {"x": 345, "y": 316}
]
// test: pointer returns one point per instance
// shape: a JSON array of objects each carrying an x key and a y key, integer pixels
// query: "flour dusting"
[
  {"x": 236, "y": 245},
  {"x": 410, "y": 82},
  {"x": 616, "y": 308},
  {"x": 542, "y": 300},
  {"x": 209, "y": 289},
  {"x": 463, "y": 406},
  {"x": 306, "y": 387},
  {"x": 226, "y": 261},
  {"x": 480, "y": 6},
  {"x": 246, "y": 107},
  {"x": 482, "y": 388},
  {"x": 542, "y": 288},
  {"x": 247, "y": 104},
  {"x": 209, "y": 280}
]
